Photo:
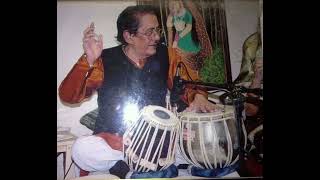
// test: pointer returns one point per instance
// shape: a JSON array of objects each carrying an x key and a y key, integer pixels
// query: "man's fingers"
[
  {"x": 209, "y": 108},
  {"x": 92, "y": 25},
  {"x": 203, "y": 109},
  {"x": 87, "y": 40},
  {"x": 100, "y": 41},
  {"x": 88, "y": 29},
  {"x": 90, "y": 35},
  {"x": 100, "y": 37},
  {"x": 190, "y": 108}
]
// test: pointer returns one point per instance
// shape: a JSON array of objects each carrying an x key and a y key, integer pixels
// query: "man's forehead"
[{"x": 148, "y": 21}]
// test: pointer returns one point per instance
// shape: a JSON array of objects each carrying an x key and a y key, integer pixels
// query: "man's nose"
[{"x": 157, "y": 36}]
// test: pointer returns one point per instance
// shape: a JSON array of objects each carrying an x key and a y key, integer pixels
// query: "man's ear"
[{"x": 127, "y": 37}]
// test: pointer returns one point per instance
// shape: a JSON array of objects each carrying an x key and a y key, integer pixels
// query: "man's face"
[{"x": 145, "y": 45}]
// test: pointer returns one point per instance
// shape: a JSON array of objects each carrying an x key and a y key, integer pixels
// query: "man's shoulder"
[
  {"x": 111, "y": 50},
  {"x": 162, "y": 49},
  {"x": 162, "y": 54},
  {"x": 111, "y": 53}
]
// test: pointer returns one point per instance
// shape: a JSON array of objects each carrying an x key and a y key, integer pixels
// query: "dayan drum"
[
  {"x": 149, "y": 144},
  {"x": 209, "y": 140}
]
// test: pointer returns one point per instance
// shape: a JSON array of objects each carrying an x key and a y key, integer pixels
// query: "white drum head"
[{"x": 160, "y": 116}]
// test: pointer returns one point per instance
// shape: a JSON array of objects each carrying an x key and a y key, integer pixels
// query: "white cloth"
[{"x": 92, "y": 153}]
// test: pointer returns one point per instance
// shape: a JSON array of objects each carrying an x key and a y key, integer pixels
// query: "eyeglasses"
[{"x": 151, "y": 32}]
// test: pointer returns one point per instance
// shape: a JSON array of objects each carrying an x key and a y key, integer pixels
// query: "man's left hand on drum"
[{"x": 201, "y": 104}]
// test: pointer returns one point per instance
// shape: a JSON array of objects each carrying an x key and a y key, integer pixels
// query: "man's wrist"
[
  {"x": 86, "y": 57},
  {"x": 198, "y": 94},
  {"x": 83, "y": 61},
  {"x": 202, "y": 92}
]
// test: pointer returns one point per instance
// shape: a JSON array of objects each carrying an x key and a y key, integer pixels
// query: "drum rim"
[
  {"x": 173, "y": 121},
  {"x": 228, "y": 112}
]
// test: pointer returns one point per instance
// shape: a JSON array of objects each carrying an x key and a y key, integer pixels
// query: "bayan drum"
[
  {"x": 210, "y": 140},
  {"x": 150, "y": 142}
]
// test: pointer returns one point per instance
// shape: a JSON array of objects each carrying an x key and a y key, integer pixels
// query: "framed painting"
[{"x": 207, "y": 36}]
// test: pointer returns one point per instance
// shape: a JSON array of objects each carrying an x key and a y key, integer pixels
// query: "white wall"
[
  {"x": 72, "y": 18},
  {"x": 242, "y": 21}
]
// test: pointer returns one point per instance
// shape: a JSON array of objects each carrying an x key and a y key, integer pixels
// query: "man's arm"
[
  {"x": 81, "y": 81},
  {"x": 87, "y": 74}
]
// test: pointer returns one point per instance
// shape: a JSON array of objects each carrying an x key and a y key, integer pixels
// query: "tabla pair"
[{"x": 206, "y": 140}]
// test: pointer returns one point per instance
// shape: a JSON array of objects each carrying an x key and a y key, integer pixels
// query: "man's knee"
[
  {"x": 79, "y": 146},
  {"x": 92, "y": 153},
  {"x": 82, "y": 152}
]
